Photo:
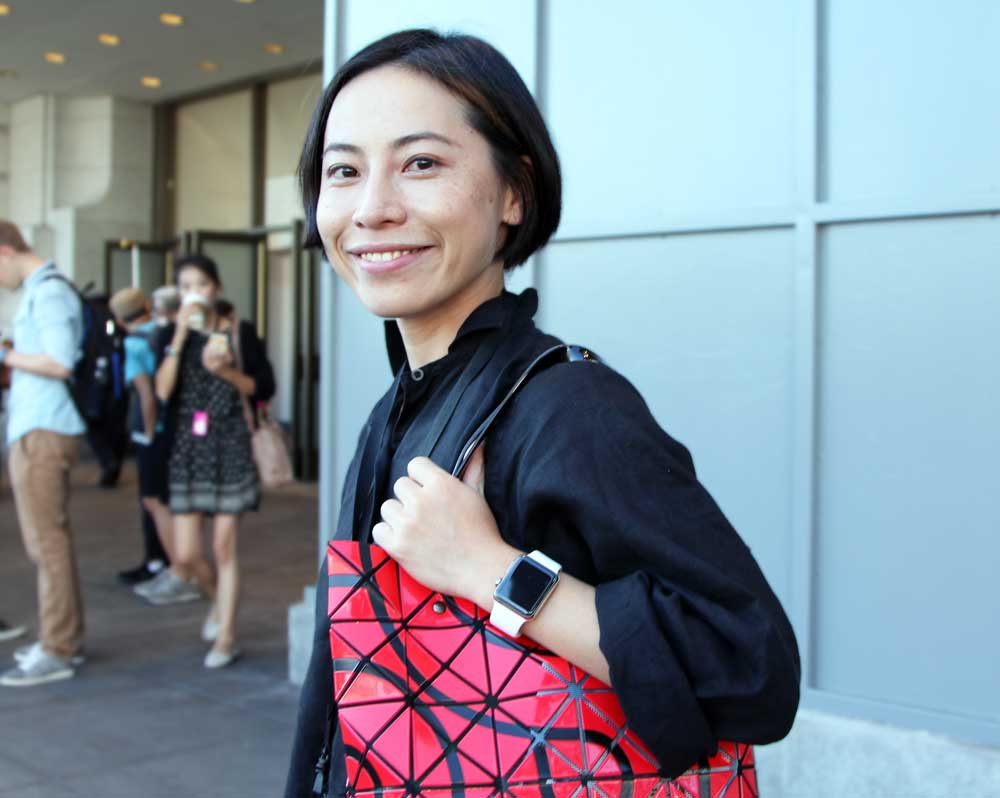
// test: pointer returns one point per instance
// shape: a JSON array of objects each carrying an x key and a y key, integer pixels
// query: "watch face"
[{"x": 525, "y": 587}]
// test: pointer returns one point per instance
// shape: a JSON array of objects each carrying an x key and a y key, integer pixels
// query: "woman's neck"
[{"x": 427, "y": 337}]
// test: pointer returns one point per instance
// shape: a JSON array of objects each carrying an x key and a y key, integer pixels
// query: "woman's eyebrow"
[
  {"x": 339, "y": 146},
  {"x": 402, "y": 141},
  {"x": 423, "y": 135}
]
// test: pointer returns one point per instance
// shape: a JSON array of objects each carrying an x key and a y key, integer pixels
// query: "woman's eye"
[
  {"x": 341, "y": 172},
  {"x": 421, "y": 164}
]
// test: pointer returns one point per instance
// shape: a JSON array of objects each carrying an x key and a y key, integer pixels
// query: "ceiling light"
[
  {"x": 55, "y": 58},
  {"x": 274, "y": 49},
  {"x": 173, "y": 20},
  {"x": 4, "y": 9},
  {"x": 150, "y": 82},
  {"x": 109, "y": 39},
  {"x": 208, "y": 66}
]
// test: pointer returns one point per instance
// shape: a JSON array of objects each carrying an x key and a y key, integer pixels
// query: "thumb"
[{"x": 475, "y": 471}]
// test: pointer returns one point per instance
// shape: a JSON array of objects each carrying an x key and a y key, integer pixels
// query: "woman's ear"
[
  {"x": 514, "y": 199},
  {"x": 513, "y": 207}
]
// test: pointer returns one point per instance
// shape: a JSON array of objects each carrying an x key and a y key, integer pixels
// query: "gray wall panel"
[
  {"x": 362, "y": 371},
  {"x": 683, "y": 108},
  {"x": 908, "y": 477},
  {"x": 702, "y": 326},
  {"x": 911, "y": 98}
]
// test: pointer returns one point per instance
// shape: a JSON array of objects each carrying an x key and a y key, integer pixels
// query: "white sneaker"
[
  {"x": 173, "y": 590},
  {"x": 25, "y": 653},
  {"x": 143, "y": 589},
  {"x": 38, "y": 667}
]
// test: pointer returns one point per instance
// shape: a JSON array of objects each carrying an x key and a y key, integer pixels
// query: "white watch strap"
[
  {"x": 506, "y": 620},
  {"x": 545, "y": 562}
]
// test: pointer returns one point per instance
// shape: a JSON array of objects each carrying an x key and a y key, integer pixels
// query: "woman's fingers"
[
  {"x": 406, "y": 490},
  {"x": 392, "y": 512},
  {"x": 423, "y": 470},
  {"x": 383, "y": 535}
]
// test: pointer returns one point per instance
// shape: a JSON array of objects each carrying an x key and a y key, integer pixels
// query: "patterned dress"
[{"x": 215, "y": 472}]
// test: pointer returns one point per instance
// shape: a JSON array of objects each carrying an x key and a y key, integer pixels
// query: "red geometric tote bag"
[{"x": 434, "y": 701}]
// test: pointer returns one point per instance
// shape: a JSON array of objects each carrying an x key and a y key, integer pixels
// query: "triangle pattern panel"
[
  {"x": 442, "y": 684},
  {"x": 348, "y": 579},
  {"x": 451, "y": 707}
]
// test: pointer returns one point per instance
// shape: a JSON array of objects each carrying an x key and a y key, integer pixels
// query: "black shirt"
[{"x": 699, "y": 647}]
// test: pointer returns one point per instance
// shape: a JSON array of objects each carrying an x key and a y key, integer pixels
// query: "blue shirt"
[
  {"x": 49, "y": 321},
  {"x": 140, "y": 359}
]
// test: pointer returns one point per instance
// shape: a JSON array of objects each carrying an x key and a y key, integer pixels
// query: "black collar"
[{"x": 488, "y": 316}]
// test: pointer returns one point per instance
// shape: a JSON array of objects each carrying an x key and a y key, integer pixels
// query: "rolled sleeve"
[
  {"x": 698, "y": 645},
  {"x": 646, "y": 676},
  {"x": 58, "y": 322}
]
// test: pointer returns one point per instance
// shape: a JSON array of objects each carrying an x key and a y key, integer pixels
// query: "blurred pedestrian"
[
  {"x": 132, "y": 311},
  {"x": 210, "y": 465},
  {"x": 43, "y": 432},
  {"x": 166, "y": 302}
]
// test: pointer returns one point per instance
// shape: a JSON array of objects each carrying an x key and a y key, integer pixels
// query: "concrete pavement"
[{"x": 142, "y": 716}]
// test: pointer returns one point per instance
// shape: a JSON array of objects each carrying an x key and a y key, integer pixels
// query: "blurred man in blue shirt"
[{"x": 43, "y": 434}]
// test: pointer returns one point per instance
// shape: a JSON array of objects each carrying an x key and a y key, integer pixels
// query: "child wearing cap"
[{"x": 132, "y": 311}]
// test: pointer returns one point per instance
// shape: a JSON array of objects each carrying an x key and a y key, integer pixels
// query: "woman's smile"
[{"x": 386, "y": 258}]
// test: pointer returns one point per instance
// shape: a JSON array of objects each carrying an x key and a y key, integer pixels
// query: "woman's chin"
[{"x": 388, "y": 306}]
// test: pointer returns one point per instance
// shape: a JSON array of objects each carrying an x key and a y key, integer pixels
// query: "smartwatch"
[{"x": 523, "y": 590}]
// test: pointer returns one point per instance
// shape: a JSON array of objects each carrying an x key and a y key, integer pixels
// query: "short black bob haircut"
[
  {"x": 499, "y": 107},
  {"x": 202, "y": 263}
]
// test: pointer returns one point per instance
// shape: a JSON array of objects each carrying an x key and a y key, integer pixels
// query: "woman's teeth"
[{"x": 383, "y": 257}]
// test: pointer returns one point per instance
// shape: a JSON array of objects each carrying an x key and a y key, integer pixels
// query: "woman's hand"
[
  {"x": 442, "y": 532},
  {"x": 181, "y": 327}
]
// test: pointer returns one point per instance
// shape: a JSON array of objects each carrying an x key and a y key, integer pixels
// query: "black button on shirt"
[{"x": 699, "y": 647}]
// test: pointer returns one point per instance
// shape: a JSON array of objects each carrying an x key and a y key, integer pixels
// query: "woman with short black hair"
[{"x": 427, "y": 173}]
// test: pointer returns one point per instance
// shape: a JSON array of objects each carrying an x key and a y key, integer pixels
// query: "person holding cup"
[{"x": 210, "y": 466}]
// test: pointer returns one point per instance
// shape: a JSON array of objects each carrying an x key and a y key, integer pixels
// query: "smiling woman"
[
  {"x": 581, "y": 529},
  {"x": 414, "y": 217}
]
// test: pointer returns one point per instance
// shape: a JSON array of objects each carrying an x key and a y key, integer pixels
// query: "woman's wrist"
[{"x": 491, "y": 571}]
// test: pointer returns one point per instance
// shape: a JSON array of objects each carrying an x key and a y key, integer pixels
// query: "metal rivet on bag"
[{"x": 438, "y": 607}]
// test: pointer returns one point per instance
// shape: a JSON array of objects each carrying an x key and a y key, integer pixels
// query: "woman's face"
[
  {"x": 193, "y": 280},
  {"x": 411, "y": 210}
]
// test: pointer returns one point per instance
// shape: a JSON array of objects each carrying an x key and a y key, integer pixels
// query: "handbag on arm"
[
  {"x": 432, "y": 700},
  {"x": 267, "y": 440}
]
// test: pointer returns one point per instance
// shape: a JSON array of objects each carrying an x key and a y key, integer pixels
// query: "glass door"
[
  {"x": 143, "y": 264},
  {"x": 242, "y": 261}
]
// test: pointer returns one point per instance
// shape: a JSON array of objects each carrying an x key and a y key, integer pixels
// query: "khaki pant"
[{"x": 39, "y": 469}]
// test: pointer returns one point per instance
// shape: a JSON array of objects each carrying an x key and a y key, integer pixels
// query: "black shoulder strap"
[{"x": 563, "y": 353}]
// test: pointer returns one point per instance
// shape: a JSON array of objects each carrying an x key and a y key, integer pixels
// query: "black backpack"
[{"x": 97, "y": 385}]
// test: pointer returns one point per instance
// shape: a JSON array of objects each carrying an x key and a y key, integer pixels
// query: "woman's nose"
[{"x": 380, "y": 203}]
